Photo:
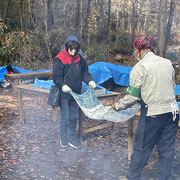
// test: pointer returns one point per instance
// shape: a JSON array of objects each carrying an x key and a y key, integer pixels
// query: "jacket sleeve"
[
  {"x": 58, "y": 75},
  {"x": 133, "y": 91},
  {"x": 87, "y": 77}
]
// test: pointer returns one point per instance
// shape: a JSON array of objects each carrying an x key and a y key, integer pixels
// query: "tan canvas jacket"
[{"x": 154, "y": 76}]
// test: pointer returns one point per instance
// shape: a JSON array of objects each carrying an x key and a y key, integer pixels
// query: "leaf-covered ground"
[{"x": 31, "y": 150}]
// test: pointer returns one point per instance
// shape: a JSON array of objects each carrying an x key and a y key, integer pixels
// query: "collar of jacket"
[
  {"x": 67, "y": 58},
  {"x": 148, "y": 53}
]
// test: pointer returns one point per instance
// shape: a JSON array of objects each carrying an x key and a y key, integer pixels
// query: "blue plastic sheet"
[
  {"x": 102, "y": 71},
  {"x": 46, "y": 84},
  {"x": 177, "y": 90},
  {"x": 179, "y": 104},
  {"x": 3, "y": 71},
  {"x": 15, "y": 69},
  {"x": 42, "y": 83}
]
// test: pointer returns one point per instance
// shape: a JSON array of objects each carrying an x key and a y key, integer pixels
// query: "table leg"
[
  {"x": 14, "y": 84},
  {"x": 80, "y": 125},
  {"x": 130, "y": 138},
  {"x": 113, "y": 124},
  {"x": 21, "y": 106}
]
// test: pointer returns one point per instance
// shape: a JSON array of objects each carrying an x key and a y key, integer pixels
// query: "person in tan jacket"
[{"x": 152, "y": 83}]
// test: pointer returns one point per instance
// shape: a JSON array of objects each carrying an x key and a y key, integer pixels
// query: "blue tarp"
[
  {"x": 3, "y": 71},
  {"x": 102, "y": 71},
  {"x": 179, "y": 104},
  {"x": 46, "y": 84},
  {"x": 15, "y": 69},
  {"x": 177, "y": 90}
]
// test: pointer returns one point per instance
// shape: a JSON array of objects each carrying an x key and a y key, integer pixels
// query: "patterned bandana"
[{"x": 143, "y": 42}]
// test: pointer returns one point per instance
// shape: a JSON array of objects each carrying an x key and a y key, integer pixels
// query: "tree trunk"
[
  {"x": 77, "y": 17},
  {"x": 50, "y": 14},
  {"x": 134, "y": 19},
  {"x": 85, "y": 28},
  {"x": 170, "y": 19},
  {"x": 109, "y": 15},
  {"x": 161, "y": 45},
  {"x": 5, "y": 11},
  {"x": 148, "y": 18}
]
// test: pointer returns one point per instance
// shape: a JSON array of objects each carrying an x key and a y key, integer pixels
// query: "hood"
[{"x": 72, "y": 38}]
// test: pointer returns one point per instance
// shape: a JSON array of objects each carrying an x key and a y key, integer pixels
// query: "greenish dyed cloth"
[{"x": 93, "y": 109}]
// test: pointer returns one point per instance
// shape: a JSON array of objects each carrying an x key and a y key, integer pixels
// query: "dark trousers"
[
  {"x": 69, "y": 115},
  {"x": 160, "y": 130}
]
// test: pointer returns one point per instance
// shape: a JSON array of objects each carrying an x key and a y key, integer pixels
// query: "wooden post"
[
  {"x": 130, "y": 138},
  {"x": 21, "y": 106},
  {"x": 113, "y": 124},
  {"x": 14, "y": 84}
]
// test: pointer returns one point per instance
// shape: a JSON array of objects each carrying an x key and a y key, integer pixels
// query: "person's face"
[{"x": 72, "y": 52}]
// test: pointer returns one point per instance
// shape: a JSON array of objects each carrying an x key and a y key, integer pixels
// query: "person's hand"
[
  {"x": 114, "y": 107},
  {"x": 66, "y": 88},
  {"x": 92, "y": 84}
]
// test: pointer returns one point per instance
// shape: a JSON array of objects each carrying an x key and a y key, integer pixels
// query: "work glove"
[
  {"x": 66, "y": 88},
  {"x": 92, "y": 84}
]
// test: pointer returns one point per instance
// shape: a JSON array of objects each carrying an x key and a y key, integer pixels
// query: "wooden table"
[
  {"x": 14, "y": 78},
  {"x": 82, "y": 131}
]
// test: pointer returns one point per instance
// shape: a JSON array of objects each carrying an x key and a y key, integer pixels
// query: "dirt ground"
[{"x": 31, "y": 150}]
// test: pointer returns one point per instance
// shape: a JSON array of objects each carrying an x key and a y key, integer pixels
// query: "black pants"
[
  {"x": 69, "y": 115},
  {"x": 160, "y": 130}
]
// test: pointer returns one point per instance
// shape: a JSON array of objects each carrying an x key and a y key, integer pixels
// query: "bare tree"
[
  {"x": 77, "y": 16},
  {"x": 137, "y": 9},
  {"x": 50, "y": 14},
  {"x": 85, "y": 28},
  {"x": 170, "y": 19},
  {"x": 23, "y": 14},
  {"x": 6, "y": 10},
  {"x": 109, "y": 15},
  {"x": 161, "y": 45}
]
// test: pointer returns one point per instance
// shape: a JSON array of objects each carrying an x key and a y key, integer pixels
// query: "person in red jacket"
[{"x": 69, "y": 70}]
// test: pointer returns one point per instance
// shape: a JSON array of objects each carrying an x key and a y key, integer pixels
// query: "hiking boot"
[
  {"x": 63, "y": 143},
  {"x": 74, "y": 143}
]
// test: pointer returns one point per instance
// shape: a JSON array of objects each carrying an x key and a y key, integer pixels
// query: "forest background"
[{"x": 32, "y": 32}]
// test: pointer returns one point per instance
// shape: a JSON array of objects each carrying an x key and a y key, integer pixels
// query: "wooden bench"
[
  {"x": 15, "y": 78},
  {"x": 82, "y": 130}
]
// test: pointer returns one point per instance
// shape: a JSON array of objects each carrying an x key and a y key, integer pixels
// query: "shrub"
[
  {"x": 120, "y": 42},
  {"x": 96, "y": 52}
]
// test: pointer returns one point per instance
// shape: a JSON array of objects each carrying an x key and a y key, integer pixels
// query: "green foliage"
[
  {"x": 19, "y": 48},
  {"x": 33, "y": 50},
  {"x": 96, "y": 52},
  {"x": 10, "y": 42},
  {"x": 120, "y": 42},
  {"x": 12, "y": 18}
]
